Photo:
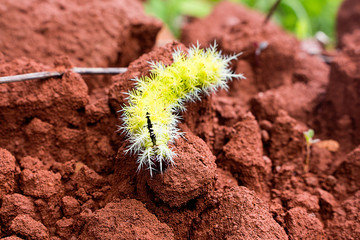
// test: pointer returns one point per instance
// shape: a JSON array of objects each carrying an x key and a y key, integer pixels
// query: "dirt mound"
[
  {"x": 345, "y": 223},
  {"x": 297, "y": 83},
  {"x": 239, "y": 171},
  {"x": 91, "y": 33},
  {"x": 44, "y": 119},
  {"x": 191, "y": 181},
  {"x": 342, "y": 96}
]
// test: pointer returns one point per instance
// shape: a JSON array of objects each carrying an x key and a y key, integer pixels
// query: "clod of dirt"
[
  {"x": 327, "y": 204},
  {"x": 299, "y": 99},
  {"x": 64, "y": 228},
  {"x": 127, "y": 219},
  {"x": 7, "y": 172},
  {"x": 306, "y": 200},
  {"x": 91, "y": 33},
  {"x": 243, "y": 156},
  {"x": 343, "y": 98},
  {"x": 14, "y": 205},
  {"x": 321, "y": 160},
  {"x": 31, "y": 163},
  {"x": 287, "y": 143},
  {"x": 347, "y": 19},
  {"x": 49, "y": 211},
  {"x": 239, "y": 214},
  {"x": 26, "y": 226},
  {"x": 302, "y": 225},
  {"x": 345, "y": 224},
  {"x": 87, "y": 179},
  {"x": 192, "y": 175},
  {"x": 348, "y": 172},
  {"x": 40, "y": 184},
  {"x": 70, "y": 206}
]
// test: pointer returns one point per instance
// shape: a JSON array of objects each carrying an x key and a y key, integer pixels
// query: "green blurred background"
[{"x": 302, "y": 17}]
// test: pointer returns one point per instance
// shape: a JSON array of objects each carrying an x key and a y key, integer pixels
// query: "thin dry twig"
[
  {"x": 45, "y": 75},
  {"x": 271, "y": 12}
]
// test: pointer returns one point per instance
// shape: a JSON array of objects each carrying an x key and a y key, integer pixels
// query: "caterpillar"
[{"x": 150, "y": 119}]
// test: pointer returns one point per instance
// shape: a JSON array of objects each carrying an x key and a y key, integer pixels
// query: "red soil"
[
  {"x": 347, "y": 19},
  {"x": 240, "y": 172},
  {"x": 91, "y": 33}
]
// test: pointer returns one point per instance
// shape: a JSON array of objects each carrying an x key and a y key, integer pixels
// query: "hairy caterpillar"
[{"x": 151, "y": 117}]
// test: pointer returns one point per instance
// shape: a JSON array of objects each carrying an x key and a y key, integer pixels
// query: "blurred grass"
[{"x": 302, "y": 17}]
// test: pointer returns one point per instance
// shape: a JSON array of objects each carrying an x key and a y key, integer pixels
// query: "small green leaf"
[
  {"x": 195, "y": 8},
  {"x": 309, "y": 134}
]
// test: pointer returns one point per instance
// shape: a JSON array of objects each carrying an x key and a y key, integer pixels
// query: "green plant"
[
  {"x": 302, "y": 17},
  {"x": 172, "y": 12},
  {"x": 151, "y": 117},
  {"x": 309, "y": 134}
]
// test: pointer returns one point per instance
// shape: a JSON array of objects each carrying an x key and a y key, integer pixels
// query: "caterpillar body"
[{"x": 150, "y": 119}]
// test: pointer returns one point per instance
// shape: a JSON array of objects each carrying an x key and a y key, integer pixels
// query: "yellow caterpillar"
[{"x": 151, "y": 117}]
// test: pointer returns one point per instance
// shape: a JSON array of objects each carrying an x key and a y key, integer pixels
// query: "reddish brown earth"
[
  {"x": 341, "y": 103},
  {"x": 347, "y": 19},
  {"x": 91, "y": 33},
  {"x": 240, "y": 172}
]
